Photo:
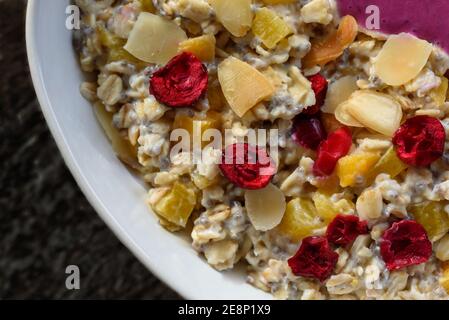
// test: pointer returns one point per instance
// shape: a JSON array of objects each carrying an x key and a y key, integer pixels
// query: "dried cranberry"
[
  {"x": 314, "y": 259},
  {"x": 335, "y": 147},
  {"x": 181, "y": 83},
  {"x": 405, "y": 244},
  {"x": 308, "y": 131},
  {"x": 247, "y": 166},
  {"x": 420, "y": 141},
  {"x": 319, "y": 87},
  {"x": 345, "y": 228}
]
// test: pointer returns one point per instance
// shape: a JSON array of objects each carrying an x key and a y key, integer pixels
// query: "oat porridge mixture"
[{"x": 358, "y": 204}]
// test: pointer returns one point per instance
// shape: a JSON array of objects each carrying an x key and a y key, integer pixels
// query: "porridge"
[{"x": 346, "y": 194}]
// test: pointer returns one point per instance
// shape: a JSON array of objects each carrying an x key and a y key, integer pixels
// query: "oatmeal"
[{"x": 281, "y": 135}]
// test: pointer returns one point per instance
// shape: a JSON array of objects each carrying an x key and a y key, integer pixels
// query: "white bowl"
[{"x": 113, "y": 191}]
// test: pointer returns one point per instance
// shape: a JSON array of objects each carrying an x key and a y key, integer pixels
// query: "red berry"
[
  {"x": 345, "y": 228},
  {"x": 420, "y": 141},
  {"x": 181, "y": 83},
  {"x": 335, "y": 147},
  {"x": 405, "y": 244},
  {"x": 314, "y": 259},
  {"x": 308, "y": 131},
  {"x": 247, "y": 166},
  {"x": 319, "y": 87}
]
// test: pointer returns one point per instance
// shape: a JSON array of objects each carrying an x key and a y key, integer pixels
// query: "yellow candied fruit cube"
[
  {"x": 202, "y": 47},
  {"x": 177, "y": 205},
  {"x": 274, "y": 2},
  {"x": 439, "y": 95},
  {"x": 353, "y": 169},
  {"x": 327, "y": 210},
  {"x": 270, "y": 28},
  {"x": 115, "y": 45},
  {"x": 197, "y": 125},
  {"x": 444, "y": 280},
  {"x": 432, "y": 216},
  {"x": 300, "y": 219},
  {"x": 389, "y": 164}
]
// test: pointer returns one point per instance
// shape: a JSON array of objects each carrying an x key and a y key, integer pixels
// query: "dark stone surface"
[{"x": 45, "y": 221}]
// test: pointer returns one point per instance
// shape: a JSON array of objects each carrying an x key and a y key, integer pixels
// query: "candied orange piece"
[
  {"x": 202, "y": 47},
  {"x": 177, "y": 206},
  {"x": 300, "y": 219},
  {"x": 389, "y": 164},
  {"x": 332, "y": 47},
  {"x": 433, "y": 217},
  {"x": 269, "y": 27},
  {"x": 212, "y": 120},
  {"x": 444, "y": 280},
  {"x": 353, "y": 169}
]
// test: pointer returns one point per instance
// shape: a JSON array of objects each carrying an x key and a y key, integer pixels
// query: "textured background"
[{"x": 45, "y": 221}]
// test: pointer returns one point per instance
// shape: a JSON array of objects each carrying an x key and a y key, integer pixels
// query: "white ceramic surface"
[{"x": 114, "y": 192}]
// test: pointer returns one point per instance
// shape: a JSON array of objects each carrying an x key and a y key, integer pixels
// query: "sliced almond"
[
  {"x": 339, "y": 91},
  {"x": 265, "y": 207},
  {"x": 154, "y": 39},
  {"x": 375, "y": 111},
  {"x": 343, "y": 116},
  {"x": 401, "y": 59}
]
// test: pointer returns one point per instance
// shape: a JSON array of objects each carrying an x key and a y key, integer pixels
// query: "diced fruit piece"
[
  {"x": 327, "y": 209},
  {"x": 247, "y": 166},
  {"x": 344, "y": 229},
  {"x": 265, "y": 207},
  {"x": 332, "y": 47},
  {"x": 308, "y": 131},
  {"x": 197, "y": 125},
  {"x": 236, "y": 16},
  {"x": 405, "y": 244},
  {"x": 420, "y": 141},
  {"x": 401, "y": 59},
  {"x": 335, "y": 147},
  {"x": 243, "y": 86},
  {"x": 389, "y": 164},
  {"x": 314, "y": 259},
  {"x": 154, "y": 39},
  {"x": 202, "y": 47},
  {"x": 439, "y": 95},
  {"x": 339, "y": 91},
  {"x": 300, "y": 219},
  {"x": 353, "y": 169},
  {"x": 269, "y": 27},
  {"x": 344, "y": 117},
  {"x": 274, "y": 2},
  {"x": 319, "y": 87},
  {"x": 115, "y": 45},
  {"x": 376, "y": 111},
  {"x": 442, "y": 249},
  {"x": 123, "y": 148},
  {"x": 433, "y": 217},
  {"x": 444, "y": 280},
  {"x": 177, "y": 205},
  {"x": 180, "y": 83}
]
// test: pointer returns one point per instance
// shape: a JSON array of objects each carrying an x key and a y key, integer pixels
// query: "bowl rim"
[{"x": 80, "y": 178}]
